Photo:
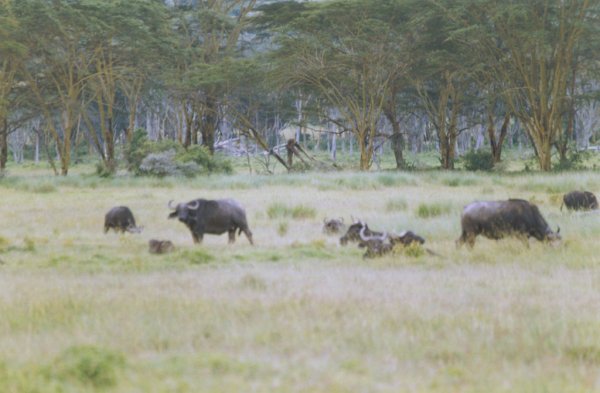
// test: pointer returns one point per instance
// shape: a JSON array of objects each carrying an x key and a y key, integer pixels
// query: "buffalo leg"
[
  {"x": 248, "y": 234},
  {"x": 231, "y": 233},
  {"x": 465, "y": 237},
  {"x": 197, "y": 237}
]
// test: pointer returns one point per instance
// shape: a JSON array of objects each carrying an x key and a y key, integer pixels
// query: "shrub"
[
  {"x": 104, "y": 170},
  {"x": 88, "y": 365},
  {"x": 279, "y": 210},
  {"x": 396, "y": 205},
  {"x": 168, "y": 158},
  {"x": 282, "y": 228},
  {"x": 575, "y": 160},
  {"x": 432, "y": 210},
  {"x": 201, "y": 156},
  {"x": 478, "y": 160},
  {"x": 162, "y": 164},
  {"x": 196, "y": 256}
]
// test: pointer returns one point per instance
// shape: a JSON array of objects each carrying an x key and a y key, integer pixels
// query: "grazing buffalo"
[
  {"x": 212, "y": 216},
  {"x": 580, "y": 200},
  {"x": 333, "y": 226},
  {"x": 497, "y": 219},
  {"x": 120, "y": 219},
  {"x": 353, "y": 233},
  {"x": 160, "y": 246}
]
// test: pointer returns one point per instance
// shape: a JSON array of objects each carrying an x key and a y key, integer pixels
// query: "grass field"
[{"x": 81, "y": 311}]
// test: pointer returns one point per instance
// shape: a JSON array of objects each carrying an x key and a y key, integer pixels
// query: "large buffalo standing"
[
  {"x": 497, "y": 219},
  {"x": 212, "y": 216},
  {"x": 580, "y": 200}
]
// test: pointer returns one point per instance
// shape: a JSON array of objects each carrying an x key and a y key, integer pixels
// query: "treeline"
[{"x": 245, "y": 75}]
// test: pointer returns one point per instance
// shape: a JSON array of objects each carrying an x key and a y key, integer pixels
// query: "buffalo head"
[{"x": 183, "y": 211}]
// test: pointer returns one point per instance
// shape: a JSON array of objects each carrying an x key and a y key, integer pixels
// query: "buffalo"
[
  {"x": 579, "y": 200},
  {"x": 498, "y": 219},
  {"x": 379, "y": 245},
  {"x": 120, "y": 219},
  {"x": 333, "y": 226},
  {"x": 214, "y": 217},
  {"x": 353, "y": 233},
  {"x": 160, "y": 246}
]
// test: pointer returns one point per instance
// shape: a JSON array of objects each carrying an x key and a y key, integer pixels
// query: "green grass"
[
  {"x": 84, "y": 311},
  {"x": 279, "y": 210}
]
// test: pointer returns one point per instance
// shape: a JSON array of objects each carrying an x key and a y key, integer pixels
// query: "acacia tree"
[
  {"x": 123, "y": 35},
  {"x": 208, "y": 38},
  {"x": 443, "y": 74},
  {"x": 532, "y": 47},
  {"x": 344, "y": 51},
  {"x": 58, "y": 68},
  {"x": 12, "y": 54}
]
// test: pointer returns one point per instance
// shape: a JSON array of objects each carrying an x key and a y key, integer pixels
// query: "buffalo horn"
[
  {"x": 194, "y": 205},
  {"x": 170, "y": 205},
  {"x": 362, "y": 235}
]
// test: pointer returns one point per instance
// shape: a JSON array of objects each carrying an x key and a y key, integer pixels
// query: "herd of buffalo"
[{"x": 492, "y": 219}]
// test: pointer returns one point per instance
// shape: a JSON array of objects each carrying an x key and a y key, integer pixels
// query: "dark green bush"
[
  {"x": 574, "y": 161},
  {"x": 201, "y": 156},
  {"x": 478, "y": 160},
  {"x": 167, "y": 157}
]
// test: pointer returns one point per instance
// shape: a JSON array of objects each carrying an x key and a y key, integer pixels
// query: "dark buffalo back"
[
  {"x": 120, "y": 218},
  {"x": 497, "y": 219}
]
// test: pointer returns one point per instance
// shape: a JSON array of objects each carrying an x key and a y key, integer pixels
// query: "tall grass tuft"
[
  {"x": 429, "y": 210},
  {"x": 88, "y": 366},
  {"x": 279, "y": 210},
  {"x": 394, "y": 205}
]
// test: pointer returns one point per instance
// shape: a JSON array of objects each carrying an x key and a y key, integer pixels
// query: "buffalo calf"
[{"x": 160, "y": 246}]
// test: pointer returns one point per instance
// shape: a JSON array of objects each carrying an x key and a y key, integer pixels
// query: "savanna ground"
[{"x": 85, "y": 311}]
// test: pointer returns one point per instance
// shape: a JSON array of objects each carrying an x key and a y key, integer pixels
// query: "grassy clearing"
[{"x": 85, "y": 311}]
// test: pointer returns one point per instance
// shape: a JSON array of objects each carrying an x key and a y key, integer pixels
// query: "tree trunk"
[
  {"x": 110, "y": 147},
  {"x": 36, "y": 157},
  {"x": 188, "y": 115},
  {"x": 496, "y": 144},
  {"x": 333, "y": 146},
  {"x": 3, "y": 144},
  {"x": 209, "y": 124}
]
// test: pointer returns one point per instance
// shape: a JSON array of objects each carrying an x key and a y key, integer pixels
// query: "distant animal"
[
  {"x": 376, "y": 245},
  {"x": 333, "y": 226},
  {"x": 498, "y": 219},
  {"x": 353, "y": 232},
  {"x": 406, "y": 238},
  {"x": 214, "y": 217},
  {"x": 579, "y": 200},
  {"x": 379, "y": 245},
  {"x": 160, "y": 246},
  {"x": 120, "y": 219}
]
